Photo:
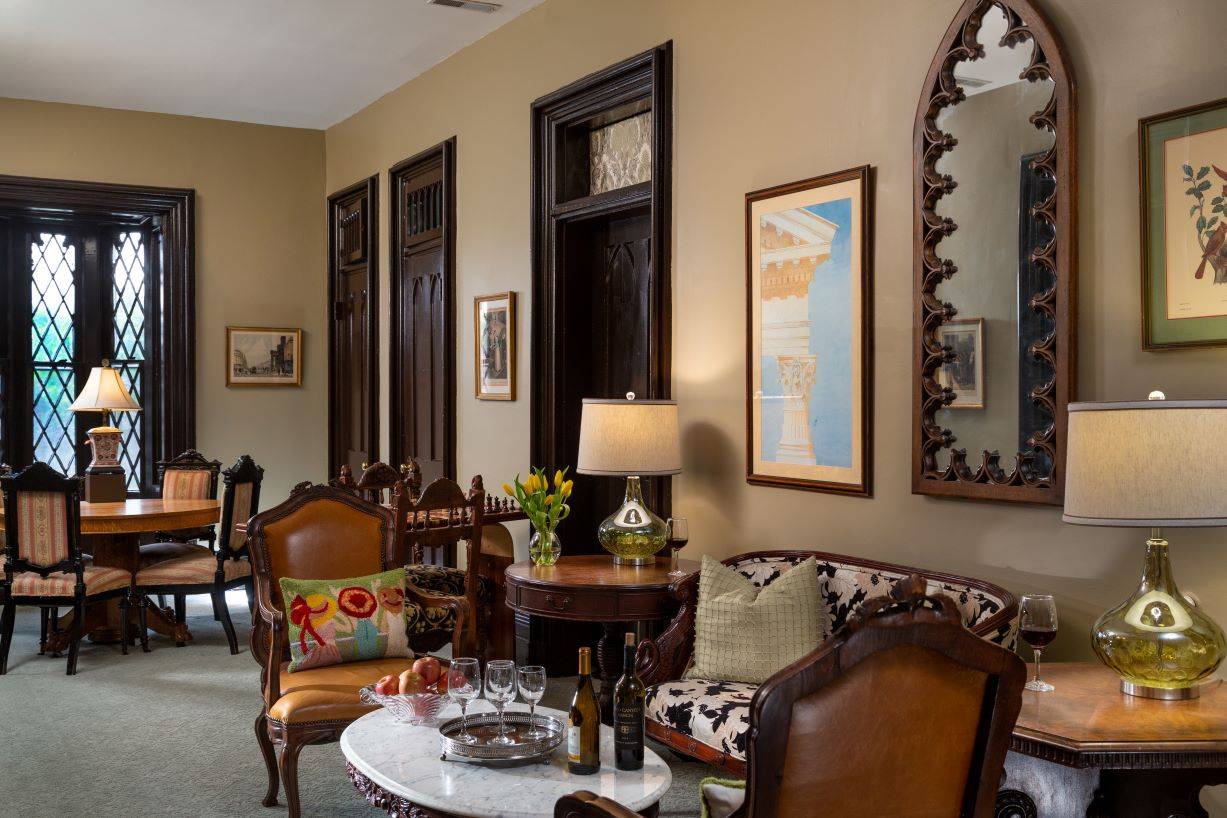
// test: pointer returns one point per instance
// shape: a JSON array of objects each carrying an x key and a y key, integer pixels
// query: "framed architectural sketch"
[
  {"x": 1183, "y": 158},
  {"x": 965, "y": 374},
  {"x": 809, "y": 335},
  {"x": 263, "y": 356},
  {"x": 494, "y": 346}
]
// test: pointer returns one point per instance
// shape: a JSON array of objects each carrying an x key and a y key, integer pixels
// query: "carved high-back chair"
[
  {"x": 201, "y": 571},
  {"x": 189, "y": 476},
  {"x": 43, "y": 563},
  {"x": 321, "y": 532},
  {"x": 445, "y": 515},
  {"x": 377, "y": 482},
  {"x": 903, "y": 712}
]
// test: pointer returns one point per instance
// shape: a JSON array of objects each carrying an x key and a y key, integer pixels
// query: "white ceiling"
[{"x": 306, "y": 63}]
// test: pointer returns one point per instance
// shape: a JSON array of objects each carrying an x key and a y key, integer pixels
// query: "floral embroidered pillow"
[{"x": 333, "y": 621}]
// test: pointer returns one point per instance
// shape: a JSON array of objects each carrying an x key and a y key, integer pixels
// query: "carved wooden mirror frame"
[{"x": 1057, "y": 350}]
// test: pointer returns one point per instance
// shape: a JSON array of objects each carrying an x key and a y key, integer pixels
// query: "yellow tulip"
[
  {"x": 507, "y": 488},
  {"x": 549, "y": 499},
  {"x": 566, "y": 488},
  {"x": 558, "y": 478}
]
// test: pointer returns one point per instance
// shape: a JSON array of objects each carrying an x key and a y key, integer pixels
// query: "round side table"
[{"x": 593, "y": 588}]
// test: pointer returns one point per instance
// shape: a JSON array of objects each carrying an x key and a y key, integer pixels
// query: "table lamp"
[
  {"x": 630, "y": 438},
  {"x": 1151, "y": 464},
  {"x": 105, "y": 392}
]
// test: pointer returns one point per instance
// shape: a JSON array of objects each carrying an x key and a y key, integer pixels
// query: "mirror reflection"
[{"x": 995, "y": 325}]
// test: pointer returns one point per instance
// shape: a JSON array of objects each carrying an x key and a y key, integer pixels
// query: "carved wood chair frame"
[
  {"x": 269, "y": 646},
  {"x": 1024, "y": 483}
]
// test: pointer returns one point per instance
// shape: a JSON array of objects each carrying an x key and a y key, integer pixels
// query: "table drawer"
[{"x": 568, "y": 604}]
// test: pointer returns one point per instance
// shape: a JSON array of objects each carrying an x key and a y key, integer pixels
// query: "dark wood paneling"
[
  {"x": 353, "y": 326},
  {"x": 423, "y": 253},
  {"x": 601, "y": 315}
]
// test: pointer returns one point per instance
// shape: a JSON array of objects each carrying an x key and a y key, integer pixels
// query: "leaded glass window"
[
  {"x": 128, "y": 265},
  {"x": 53, "y": 307}
]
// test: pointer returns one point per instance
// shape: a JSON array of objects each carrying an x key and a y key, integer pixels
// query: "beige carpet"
[{"x": 170, "y": 733}]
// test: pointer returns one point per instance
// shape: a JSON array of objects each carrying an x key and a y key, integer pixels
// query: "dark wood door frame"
[
  {"x": 646, "y": 79},
  {"x": 371, "y": 186},
  {"x": 444, "y": 155},
  {"x": 171, "y": 214}
]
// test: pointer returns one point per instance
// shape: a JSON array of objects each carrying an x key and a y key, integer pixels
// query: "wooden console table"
[
  {"x": 1088, "y": 749},
  {"x": 593, "y": 588}
]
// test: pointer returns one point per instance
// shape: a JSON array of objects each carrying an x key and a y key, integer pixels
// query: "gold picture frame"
[
  {"x": 263, "y": 356},
  {"x": 494, "y": 346}
]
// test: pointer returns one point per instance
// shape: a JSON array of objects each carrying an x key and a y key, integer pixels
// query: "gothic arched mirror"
[{"x": 995, "y": 256}]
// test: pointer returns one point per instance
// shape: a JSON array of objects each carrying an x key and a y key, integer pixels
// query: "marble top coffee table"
[{"x": 396, "y": 767}]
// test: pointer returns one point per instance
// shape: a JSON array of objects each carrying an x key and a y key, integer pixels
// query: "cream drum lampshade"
[
  {"x": 632, "y": 439},
  {"x": 1151, "y": 464},
  {"x": 629, "y": 437}
]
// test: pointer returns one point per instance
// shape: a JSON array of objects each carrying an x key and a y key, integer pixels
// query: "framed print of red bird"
[{"x": 1183, "y": 163}]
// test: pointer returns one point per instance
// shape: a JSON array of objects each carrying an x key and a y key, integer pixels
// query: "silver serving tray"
[{"x": 485, "y": 727}]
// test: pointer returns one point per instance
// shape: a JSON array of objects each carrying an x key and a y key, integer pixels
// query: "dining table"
[{"x": 111, "y": 533}]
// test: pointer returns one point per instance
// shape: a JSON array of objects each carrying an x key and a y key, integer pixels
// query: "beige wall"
[
  {"x": 260, "y": 251},
  {"x": 778, "y": 90}
]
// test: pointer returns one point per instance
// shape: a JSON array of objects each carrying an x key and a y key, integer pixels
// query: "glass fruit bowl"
[{"x": 406, "y": 708}]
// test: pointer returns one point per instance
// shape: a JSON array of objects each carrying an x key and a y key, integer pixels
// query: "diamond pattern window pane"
[
  {"x": 128, "y": 296},
  {"x": 129, "y": 425},
  {"x": 53, "y": 297},
  {"x": 54, "y": 425}
]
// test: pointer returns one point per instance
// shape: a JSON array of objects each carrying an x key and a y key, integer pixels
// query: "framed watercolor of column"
[
  {"x": 809, "y": 345},
  {"x": 1183, "y": 159},
  {"x": 494, "y": 346}
]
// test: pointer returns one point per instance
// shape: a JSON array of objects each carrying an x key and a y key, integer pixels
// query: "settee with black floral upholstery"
[{"x": 708, "y": 719}]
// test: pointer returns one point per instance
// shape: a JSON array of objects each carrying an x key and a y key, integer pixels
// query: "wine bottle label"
[
  {"x": 628, "y": 725},
  {"x": 573, "y": 744}
]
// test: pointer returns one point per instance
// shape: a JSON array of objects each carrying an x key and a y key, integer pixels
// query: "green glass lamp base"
[
  {"x": 633, "y": 534},
  {"x": 1160, "y": 645}
]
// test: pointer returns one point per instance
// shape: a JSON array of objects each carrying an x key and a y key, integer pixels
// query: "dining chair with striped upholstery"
[
  {"x": 204, "y": 570},
  {"x": 43, "y": 563}
]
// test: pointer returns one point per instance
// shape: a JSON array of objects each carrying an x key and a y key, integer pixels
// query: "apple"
[
  {"x": 387, "y": 686},
  {"x": 441, "y": 684},
  {"x": 428, "y": 668},
  {"x": 411, "y": 682}
]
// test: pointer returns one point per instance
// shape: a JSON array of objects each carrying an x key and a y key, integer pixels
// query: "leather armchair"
[{"x": 320, "y": 532}]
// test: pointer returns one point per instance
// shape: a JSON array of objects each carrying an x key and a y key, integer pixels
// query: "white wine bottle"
[
  {"x": 584, "y": 722},
  {"x": 628, "y": 699}
]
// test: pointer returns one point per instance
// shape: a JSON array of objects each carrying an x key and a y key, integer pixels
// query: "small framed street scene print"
[
  {"x": 263, "y": 356},
  {"x": 494, "y": 346},
  {"x": 965, "y": 374},
  {"x": 1183, "y": 157},
  {"x": 809, "y": 342}
]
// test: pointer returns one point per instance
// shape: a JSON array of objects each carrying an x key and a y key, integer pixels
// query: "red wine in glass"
[
  {"x": 1037, "y": 625},
  {"x": 1038, "y": 638},
  {"x": 679, "y": 535}
]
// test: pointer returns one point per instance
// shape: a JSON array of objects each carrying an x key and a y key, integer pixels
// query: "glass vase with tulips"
[{"x": 546, "y": 506}]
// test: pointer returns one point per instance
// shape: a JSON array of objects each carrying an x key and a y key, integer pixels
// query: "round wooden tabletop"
[
  {"x": 593, "y": 588},
  {"x": 139, "y": 516}
]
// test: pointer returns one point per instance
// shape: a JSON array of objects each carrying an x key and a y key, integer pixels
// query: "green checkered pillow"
[
  {"x": 333, "y": 621},
  {"x": 744, "y": 633}
]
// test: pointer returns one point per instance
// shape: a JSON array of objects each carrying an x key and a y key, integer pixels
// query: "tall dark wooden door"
[
  {"x": 353, "y": 334},
  {"x": 601, "y": 323},
  {"x": 423, "y": 252}
]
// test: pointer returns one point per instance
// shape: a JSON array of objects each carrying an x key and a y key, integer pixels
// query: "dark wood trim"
[
  {"x": 644, "y": 78},
  {"x": 174, "y": 212},
  {"x": 989, "y": 481},
  {"x": 444, "y": 152},
  {"x": 1144, "y": 198},
  {"x": 865, "y": 176},
  {"x": 371, "y": 185}
]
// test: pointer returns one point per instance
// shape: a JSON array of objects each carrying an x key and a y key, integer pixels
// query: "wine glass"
[
  {"x": 463, "y": 686},
  {"x": 500, "y": 689},
  {"x": 1038, "y": 627},
  {"x": 679, "y": 535},
  {"x": 532, "y": 688}
]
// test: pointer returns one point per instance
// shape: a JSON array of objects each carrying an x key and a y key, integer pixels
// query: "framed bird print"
[{"x": 1183, "y": 158}]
